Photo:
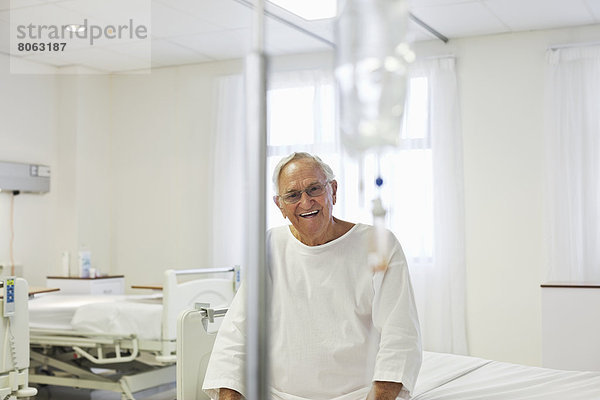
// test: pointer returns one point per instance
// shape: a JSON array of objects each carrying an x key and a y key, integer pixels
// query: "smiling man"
[
  {"x": 311, "y": 216},
  {"x": 339, "y": 329}
]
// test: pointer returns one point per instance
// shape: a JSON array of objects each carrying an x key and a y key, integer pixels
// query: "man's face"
[{"x": 311, "y": 216}]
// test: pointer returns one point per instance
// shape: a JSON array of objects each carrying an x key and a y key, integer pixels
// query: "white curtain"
[
  {"x": 573, "y": 164},
  {"x": 228, "y": 188},
  {"x": 301, "y": 117},
  {"x": 440, "y": 287},
  {"x": 423, "y": 188}
]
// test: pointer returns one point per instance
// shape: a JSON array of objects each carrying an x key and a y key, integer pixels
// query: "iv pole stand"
[{"x": 257, "y": 355}]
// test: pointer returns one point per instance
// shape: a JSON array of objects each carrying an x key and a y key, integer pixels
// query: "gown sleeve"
[
  {"x": 395, "y": 318},
  {"x": 226, "y": 365}
]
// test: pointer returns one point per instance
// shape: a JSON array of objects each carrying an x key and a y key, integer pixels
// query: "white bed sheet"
[
  {"x": 438, "y": 369},
  {"x": 119, "y": 314},
  {"x": 504, "y": 381}
]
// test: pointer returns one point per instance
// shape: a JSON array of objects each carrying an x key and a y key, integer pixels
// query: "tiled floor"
[{"x": 166, "y": 392}]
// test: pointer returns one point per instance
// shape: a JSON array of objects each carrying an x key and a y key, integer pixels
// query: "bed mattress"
[
  {"x": 452, "y": 377},
  {"x": 118, "y": 314}
]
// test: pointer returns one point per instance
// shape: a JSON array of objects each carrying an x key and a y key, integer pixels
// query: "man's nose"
[{"x": 305, "y": 198}]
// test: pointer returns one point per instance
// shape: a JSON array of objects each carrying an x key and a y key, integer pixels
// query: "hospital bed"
[
  {"x": 442, "y": 376},
  {"x": 14, "y": 336},
  {"x": 121, "y": 343}
]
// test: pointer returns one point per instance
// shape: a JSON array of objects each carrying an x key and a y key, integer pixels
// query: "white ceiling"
[{"x": 195, "y": 31}]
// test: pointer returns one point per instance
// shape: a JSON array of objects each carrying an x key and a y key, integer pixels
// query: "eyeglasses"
[{"x": 313, "y": 191}]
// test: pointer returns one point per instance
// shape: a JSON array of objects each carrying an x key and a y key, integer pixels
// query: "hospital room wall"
[
  {"x": 84, "y": 171},
  {"x": 501, "y": 88},
  {"x": 131, "y": 168},
  {"x": 56, "y": 118},
  {"x": 163, "y": 126},
  {"x": 28, "y": 128}
]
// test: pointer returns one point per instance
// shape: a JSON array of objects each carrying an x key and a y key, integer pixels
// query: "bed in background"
[
  {"x": 450, "y": 376},
  {"x": 122, "y": 343},
  {"x": 442, "y": 377}
]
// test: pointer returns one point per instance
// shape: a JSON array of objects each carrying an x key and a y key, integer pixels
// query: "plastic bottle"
[{"x": 85, "y": 262}]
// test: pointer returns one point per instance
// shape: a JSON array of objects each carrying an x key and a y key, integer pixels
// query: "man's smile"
[{"x": 309, "y": 214}]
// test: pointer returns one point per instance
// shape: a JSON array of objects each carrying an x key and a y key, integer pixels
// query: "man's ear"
[
  {"x": 278, "y": 204},
  {"x": 334, "y": 190}
]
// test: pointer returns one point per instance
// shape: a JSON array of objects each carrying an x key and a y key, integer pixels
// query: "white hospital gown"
[{"x": 335, "y": 325}]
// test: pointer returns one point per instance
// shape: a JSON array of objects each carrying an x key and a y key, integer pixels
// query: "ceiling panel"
[
  {"x": 540, "y": 14},
  {"x": 594, "y": 6},
  {"x": 418, "y": 33},
  {"x": 44, "y": 14},
  {"x": 429, "y": 3},
  {"x": 226, "y": 14},
  {"x": 6, "y": 4},
  {"x": 99, "y": 59},
  {"x": 114, "y": 12},
  {"x": 327, "y": 33},
  {"x": 54, "y": 59},
  {"x": 141, "y": 49},
  {"x": 169, "y": 22},
  {"x": 460, "y": 19},
  {"x": 218, "y": 45},
  {"x": 106, "y": 60},
  {"x": 281, "y": 39},
  {"x": 167, "y": 53},
  {"x": 194, "y": 31}
]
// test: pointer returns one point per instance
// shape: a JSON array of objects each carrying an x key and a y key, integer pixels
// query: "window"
[
  {"x": 302, "y": 118},
  {"x": 407, "y": 190}
]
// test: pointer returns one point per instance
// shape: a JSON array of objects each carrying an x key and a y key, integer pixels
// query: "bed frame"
[{"x": 124, "y": 363}]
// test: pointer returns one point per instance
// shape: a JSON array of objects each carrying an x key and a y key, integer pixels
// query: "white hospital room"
[{"x": 154, "y": 156}]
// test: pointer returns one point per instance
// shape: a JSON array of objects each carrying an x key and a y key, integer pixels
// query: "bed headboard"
[{"x": 178, "y": 296}]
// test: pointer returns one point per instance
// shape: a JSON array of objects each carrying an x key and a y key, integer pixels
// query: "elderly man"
[{"x": 339, "y": 328}]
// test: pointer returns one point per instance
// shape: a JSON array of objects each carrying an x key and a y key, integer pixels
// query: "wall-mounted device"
[
  {"x": 9, "y": 296},
  {"x": 25, "y": 178}
]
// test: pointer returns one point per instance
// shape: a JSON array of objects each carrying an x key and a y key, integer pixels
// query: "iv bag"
[{"x": 372, "y": 59}]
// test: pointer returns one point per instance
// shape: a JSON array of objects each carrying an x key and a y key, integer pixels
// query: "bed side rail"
[
  {"x": 199, "y": 271},
  {"x": 178, "y": 296},
  {"x": 194, "y": 345}
]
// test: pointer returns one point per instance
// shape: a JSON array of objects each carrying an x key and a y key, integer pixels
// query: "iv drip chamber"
[{"x": 372, "y": 60}]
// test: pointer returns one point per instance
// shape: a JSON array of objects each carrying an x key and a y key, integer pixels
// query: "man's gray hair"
[{"x": 299, "y": 156}]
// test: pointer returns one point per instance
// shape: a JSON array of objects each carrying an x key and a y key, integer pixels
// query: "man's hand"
[
  {"x": 229, "y": 394},
  {"x": 384, "y": 390}
]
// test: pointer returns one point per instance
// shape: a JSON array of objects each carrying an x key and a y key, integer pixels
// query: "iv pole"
[
  {"x": 257, "y": 358},
  {"x": 257, "y": 355}
]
